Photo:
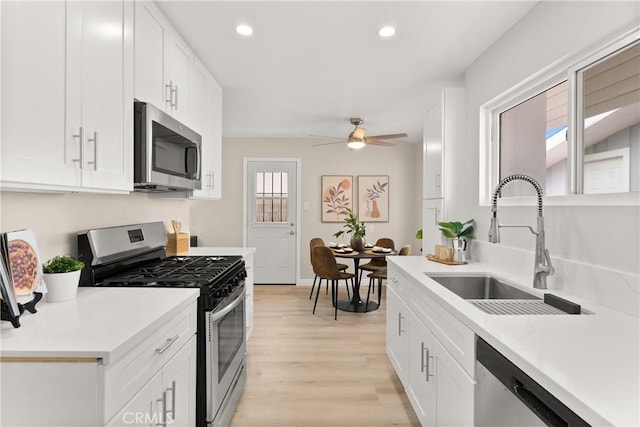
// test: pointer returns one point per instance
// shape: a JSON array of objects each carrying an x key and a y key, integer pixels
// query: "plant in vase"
[
  {"x": 460, "y": 233},
  {"x": 62, "y": 275},
  {"x": 356, "y": 229}
]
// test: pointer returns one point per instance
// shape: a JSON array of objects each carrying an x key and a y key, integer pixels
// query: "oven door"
[{"x": 226, "y": 350}]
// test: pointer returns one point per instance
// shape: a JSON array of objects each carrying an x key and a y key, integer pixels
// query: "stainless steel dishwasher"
[{"x": 507, "y": 397}]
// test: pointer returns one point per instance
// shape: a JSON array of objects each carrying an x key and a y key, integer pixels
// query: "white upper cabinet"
[
  {"x": 163, "y": 64},
  {"x": 206, "y": 103},
  {"x": 35, "y": 148},
  {"x": 443, "y": 129},
  {"x": 151, "y": 36},
  {"x": 68, "y": 66}
]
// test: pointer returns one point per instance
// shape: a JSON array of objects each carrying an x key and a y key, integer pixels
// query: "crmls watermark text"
[{"x": 145, "y": 418}]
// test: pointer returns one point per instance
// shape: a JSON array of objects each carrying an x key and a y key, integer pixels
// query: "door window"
[{"x": 272, "y": 197}]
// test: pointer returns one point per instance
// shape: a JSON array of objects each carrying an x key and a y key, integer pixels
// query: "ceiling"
[{"x": 310, "y": 66}]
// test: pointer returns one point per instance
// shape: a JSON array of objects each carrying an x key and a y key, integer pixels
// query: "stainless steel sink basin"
[{"x": 481, "y": 288}]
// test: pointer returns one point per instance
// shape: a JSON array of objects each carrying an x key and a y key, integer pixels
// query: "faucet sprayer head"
[{"x": 494, "y": 231}]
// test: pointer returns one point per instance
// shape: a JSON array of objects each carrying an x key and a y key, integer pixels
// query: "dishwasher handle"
[{"x": 536, "y": 405}]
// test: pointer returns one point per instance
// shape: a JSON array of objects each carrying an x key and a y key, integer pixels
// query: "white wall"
[
  {"x": 57, "y": 218},
  {"x": 219, "y": 223},
  {"x": 606, "y": 238}
]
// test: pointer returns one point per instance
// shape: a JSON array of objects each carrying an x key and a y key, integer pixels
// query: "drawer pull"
[{"x": 167, "y": 344}]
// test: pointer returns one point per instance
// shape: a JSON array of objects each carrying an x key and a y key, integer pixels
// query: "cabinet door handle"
[
  {"x": 213, "y": 180},
  {"x": 438, "y": 180},
  {"x": 428, "y": 375},
  {"x": 167, "y": 344},
  {"x": 80, "y": 136},
  {"x": 422, "y": 364},
  {"x": 176, "y": 92},
  {"x": 173, "y": 404},
  {"x": 169, "y": 98},
  {"x": 400, "y": 330},
  {"x": 95, "y": 151},
  {"x": 162, "y": 422}
]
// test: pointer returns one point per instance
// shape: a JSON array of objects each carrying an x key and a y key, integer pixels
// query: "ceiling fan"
[{"x": 357, "y": 139}]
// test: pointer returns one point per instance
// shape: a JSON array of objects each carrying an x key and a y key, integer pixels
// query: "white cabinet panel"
[
  {"x": 398, "y": 335},
  {"x": 422, "y": 372},
  {"x": 432, "y": 213},
  {"x": 206, "y": 101},
  {"x": 151, "y": 33},
  {"x": 33, "y": 87},
  {"x": 163, "y": 64},
  {"x": 432, "y": 152},
  {"x": 103, "y": 105},
  {"x": 179, "y": 59},
  {"x": 443, "y": 141}
]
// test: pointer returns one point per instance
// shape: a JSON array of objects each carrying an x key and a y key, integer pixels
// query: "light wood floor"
[{"x": 309, "y": 370}]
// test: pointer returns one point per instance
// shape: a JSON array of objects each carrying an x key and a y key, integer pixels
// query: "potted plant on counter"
[
  {"x": 62, "y": 275},
  {"x": 460, "y": 233},
  {"x": 356, "y": 229}
]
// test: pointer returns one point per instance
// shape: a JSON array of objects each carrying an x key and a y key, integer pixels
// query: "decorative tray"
[{"x": 443, "y": 261}]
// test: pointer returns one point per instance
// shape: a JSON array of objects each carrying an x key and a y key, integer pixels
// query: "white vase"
[{"x": 62, "y": 286}]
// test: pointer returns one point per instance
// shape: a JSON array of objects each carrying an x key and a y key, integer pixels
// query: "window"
[
  {"x": 574, "y": 127},
  {"x": 271, "y": 197}
]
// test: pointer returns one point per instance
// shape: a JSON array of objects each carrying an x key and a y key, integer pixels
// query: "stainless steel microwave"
[{"x": 166, "y": 152}]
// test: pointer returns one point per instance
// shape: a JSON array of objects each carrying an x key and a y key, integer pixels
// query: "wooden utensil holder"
[{"x": 177, "y": 244}]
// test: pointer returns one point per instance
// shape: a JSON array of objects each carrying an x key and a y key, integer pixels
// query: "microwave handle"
[{"x": 197, "y": 165}]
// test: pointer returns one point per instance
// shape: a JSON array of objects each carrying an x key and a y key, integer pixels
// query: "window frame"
[{"x": 569, "y": 68}]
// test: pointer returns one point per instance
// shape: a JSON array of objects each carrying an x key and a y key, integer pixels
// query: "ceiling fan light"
[
  {"x": 244, "y": 30},
  {"x": 386, "y": 31},
  {"x": 356, "y": 145}
]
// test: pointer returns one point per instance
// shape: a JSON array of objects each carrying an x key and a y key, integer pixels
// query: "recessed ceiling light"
[
  {"x": 386, "y": 31},
  {"x": 244, "y": 30}
]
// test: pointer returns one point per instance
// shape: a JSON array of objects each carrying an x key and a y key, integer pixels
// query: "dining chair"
[
  {"x": 325, "y": 267},
  {"x": 317, "y": 241},
  {"x": 377, "y": 263},
  {"x": 381, "y": 275}
]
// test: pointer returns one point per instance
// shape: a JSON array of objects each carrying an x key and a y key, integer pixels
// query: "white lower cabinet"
[
  {"x": 441, "y": 392},
  {"x": 151, "y": 382},
  {"x": 168, "y": 398}
]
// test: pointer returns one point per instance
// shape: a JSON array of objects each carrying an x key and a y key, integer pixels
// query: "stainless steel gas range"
[{"x": 134, "y": 255}]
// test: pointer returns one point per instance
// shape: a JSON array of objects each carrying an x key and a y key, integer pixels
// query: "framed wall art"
[
  {"x": 337, "y": 197},
  {"x": 373, "y": 198}
]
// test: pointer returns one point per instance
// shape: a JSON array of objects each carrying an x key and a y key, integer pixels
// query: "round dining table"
[{"x": 355, "y": 304}]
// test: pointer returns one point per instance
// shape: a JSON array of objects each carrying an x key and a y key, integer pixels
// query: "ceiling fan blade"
[
  {"x": 326, "y": 136},
  {"x": 380, "y": 143},
  {"x": 329, "y": 143},
  {"x": 390, "y": 136}
]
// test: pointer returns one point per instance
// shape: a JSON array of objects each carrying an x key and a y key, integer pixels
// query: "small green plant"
[
  {"x": 62, "y": 264},
  {"x": 419, "y": 234},
  {"x": 353, "y": 226},
  {"x": 455, "y": 229}
]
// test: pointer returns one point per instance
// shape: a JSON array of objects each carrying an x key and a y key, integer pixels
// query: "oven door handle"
[{"x": 220, "y": 314}]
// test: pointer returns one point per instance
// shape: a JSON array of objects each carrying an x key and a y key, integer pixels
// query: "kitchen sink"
[{"x": 481, "y": 288}]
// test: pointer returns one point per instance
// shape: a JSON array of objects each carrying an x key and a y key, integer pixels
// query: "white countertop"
[
  {"x": 589, "y": 362},
  {"x": 208, "y": 250},
  {"x": 100, "y": 323}
]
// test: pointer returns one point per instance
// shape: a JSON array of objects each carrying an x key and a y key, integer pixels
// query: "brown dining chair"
[
  {"x": 381, "y": 275},
  {"x": 325, "y": 267},
  {"x": 377, "y": 263},
  {"x": 317, "y": 241}
]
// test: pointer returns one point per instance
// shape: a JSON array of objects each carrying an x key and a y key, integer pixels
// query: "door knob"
[{"x": 292, "y": 232}]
